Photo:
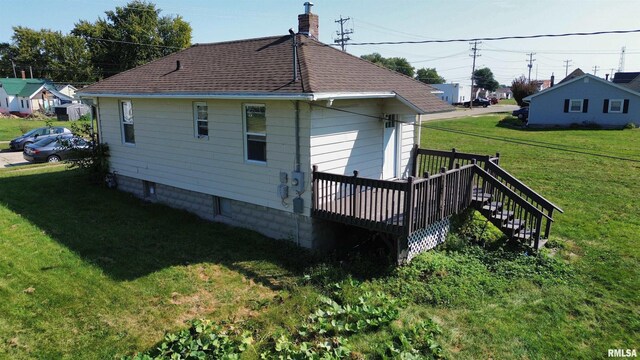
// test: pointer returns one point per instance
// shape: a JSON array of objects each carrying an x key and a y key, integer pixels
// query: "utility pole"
[
  {"x": 14, "y": 68},
  {"x": 474, "y": 48},
  {"x": 343, "y": 34},
  {"x": 566, "y": 67},
  {"x": 595, "y": 69},
  {"x": 531, "y": 60}
]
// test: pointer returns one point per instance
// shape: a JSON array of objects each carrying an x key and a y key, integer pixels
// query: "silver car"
[{"x": 37, "y": 134}]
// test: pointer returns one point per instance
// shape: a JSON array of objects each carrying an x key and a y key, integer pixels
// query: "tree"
[
  {"x": 132, "y": 35},
  {"x": 522, "y": 88},
  {"x": 484, "y": 79},
  {"x": 7, "y": 53},
  {"x": 48, "y": 54},
  {"x": 429, "y": 76},
  {"x": 397, "y": 64}
]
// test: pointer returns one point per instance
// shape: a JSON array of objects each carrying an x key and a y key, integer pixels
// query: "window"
[
  {"x": 615, "y": 105},
  {"x": 7, "y": 101},
  {"x": 22, "y": 103},
  {"x": 575, "y": 105},
  {"x": 27, "y": 104},
  {"x": 126, "y": 111},
  {"x": 201, "y": 119},
  {"x": 255, "y": 132}
]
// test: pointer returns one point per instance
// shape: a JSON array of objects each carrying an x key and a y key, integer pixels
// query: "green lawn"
[
  {"x": 86, "y": 272},
  {"x": 12, "y": 128}
]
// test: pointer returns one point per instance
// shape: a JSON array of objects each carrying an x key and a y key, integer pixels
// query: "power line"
[
  {"x": 344, "y": 34},
  {"x": 473, "y": 69},
  {"x": 500, "y": 38},
  {"x": 566, "y": 65},
  {"x": 531, "y": 60},
  {"x": 130, "y": 42},
  {"x": 595, "y": 69}
]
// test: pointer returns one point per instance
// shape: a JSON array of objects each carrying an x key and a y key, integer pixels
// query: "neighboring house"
[
  {"x": 585, "y": 99},
  {"x": 68, "y": 90},
  {"x": 29, "y": 95},
  {"x": 283, "y": 135},
  {"x": 629, "y": 80},
  {"x": 503, "y": 93},
  {"x": 542, "y": 84},
  {"x": 572, "y": 75},
  {"x": 453, "y": 92}
]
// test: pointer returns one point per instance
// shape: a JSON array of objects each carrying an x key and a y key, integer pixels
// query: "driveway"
[
  {"x": 471, "y": 112},
  {"x": 11, "y": 158}
]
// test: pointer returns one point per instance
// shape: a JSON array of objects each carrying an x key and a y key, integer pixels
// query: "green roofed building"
[{"x": 28, "y": 95}]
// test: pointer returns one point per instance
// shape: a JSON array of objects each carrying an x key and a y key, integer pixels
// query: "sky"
[{"x": 403, "y": 20}]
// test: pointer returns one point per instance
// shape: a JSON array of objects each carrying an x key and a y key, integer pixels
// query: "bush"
[{"x": 629, "y": 126}]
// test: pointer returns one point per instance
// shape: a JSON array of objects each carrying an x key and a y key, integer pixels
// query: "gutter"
[{"x": 230, "y": 96}]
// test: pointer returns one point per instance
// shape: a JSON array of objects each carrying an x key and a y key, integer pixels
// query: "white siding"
[
  {"x": 342, "y": 142},
  {"x": 167, "y": 152}
]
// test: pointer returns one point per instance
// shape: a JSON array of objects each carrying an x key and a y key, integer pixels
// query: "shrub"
[
  {"x": 96, "y": 160},
  {"x": 629, "y": 126}
]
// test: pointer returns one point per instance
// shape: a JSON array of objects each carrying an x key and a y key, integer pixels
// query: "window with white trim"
[
  {"x": 126, "y": 115},
  {"x": 575, "y": 105},
  {"x": 615, "y": 105},
  {"x": 255, "y": 130},
  {"x": 201, "y": 119}
]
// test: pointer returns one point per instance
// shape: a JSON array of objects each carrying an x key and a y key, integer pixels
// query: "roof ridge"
[{"x": 239, "y": 41}]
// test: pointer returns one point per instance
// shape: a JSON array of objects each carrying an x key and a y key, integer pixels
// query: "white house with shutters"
[{"x": 584, "y": 100}]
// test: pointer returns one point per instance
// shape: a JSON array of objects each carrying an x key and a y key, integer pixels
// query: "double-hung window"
[
  {"x": 126, "y": 114},
  {"x": 201, "y": 119},
  {"x": 615, "y": 105},
  {"x": 575, "y": 105},
  {"x": 255, "y": 132}
]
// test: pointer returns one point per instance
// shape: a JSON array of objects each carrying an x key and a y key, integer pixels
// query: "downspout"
[{"x": 297, "y": 135}]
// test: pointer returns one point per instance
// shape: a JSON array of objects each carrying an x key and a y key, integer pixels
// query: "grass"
[
  {"x": 507, "y": 102},
  {"x": 11, "y": 128},
  {"x": 90, "y": 273}
]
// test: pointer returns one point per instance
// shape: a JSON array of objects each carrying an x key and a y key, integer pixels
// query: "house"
[
  {"x": 453, "y": 93},
  {"x": 281, "y": 135},
  {"x": 503, "y": 93},
  {"x": 585, "y": 99},
  {"x": 26, "y": 96},
  {"x": 68, "y": 90},
  {"x": 629, "y": 80}
]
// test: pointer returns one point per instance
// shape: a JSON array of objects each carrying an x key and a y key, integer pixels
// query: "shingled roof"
[{"x": 265, "y": 66}]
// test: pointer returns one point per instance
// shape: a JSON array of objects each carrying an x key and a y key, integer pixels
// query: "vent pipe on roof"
[
  {"x": 307, "y": 7},
  {"x": 606, "y": 77},
  {"x": 294, "y": 44},
  {"x": 553, "y": 80},
  {"x": 178, "y": 65}
]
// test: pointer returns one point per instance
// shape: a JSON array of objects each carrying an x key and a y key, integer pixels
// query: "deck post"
[
  {"x": 354, "y": 196},
  {"x": 442, "y": 196},
  {"x": 414, "y": 160},
  {"x": 452, "y": 158},
  {"x": 408, "y": 207},
  {"x": 457, "y": 185},
  {"x": 314, "y": 190}
]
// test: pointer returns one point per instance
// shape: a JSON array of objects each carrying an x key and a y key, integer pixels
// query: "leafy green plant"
[
  {"x": 416, "y": 342},
  {"x": 630, "y": 126},
  {"x": 203, "y": 340},
  {"x": 96, "y": 160}
]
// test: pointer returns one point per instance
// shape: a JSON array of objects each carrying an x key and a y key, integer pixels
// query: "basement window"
[{"x": 149, "y": 189}]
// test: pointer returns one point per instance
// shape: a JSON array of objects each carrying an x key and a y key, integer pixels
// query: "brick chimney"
[
  {"x": 24, "y": 75},
  {"x": 308, "y": 22}
]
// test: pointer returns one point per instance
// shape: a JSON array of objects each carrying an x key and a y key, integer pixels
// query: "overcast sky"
[{"x": 401, "y": 20}]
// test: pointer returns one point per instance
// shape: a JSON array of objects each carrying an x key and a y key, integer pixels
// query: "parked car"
[
  {"x": 478, "y": 102},
  {"x": 35, "y": 135},
  {"x": 54, "y": 149},
  {"x": 522, "y": 113}
]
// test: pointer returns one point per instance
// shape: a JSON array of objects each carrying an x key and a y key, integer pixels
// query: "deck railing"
[
  {"x": 396, "y": 207},
  {"x": 427, "y": 161}
]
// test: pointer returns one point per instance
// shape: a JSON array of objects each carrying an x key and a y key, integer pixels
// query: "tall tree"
[
  {"x": 429, "y": 76},
  {"x": 397, "y": 64},
  {"x": 7, "y": 54},
  {"x": 521, "y": 88},
  {"x": 132, "y": 35},
  {"x": 484, "y": 79},
  {"x": 50, "y": 55}
]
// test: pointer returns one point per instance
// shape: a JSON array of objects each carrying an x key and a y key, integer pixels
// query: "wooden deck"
[{"x": 405, "y": 206}]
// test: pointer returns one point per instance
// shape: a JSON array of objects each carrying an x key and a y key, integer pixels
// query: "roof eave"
[{"x": 229, "y": 96}]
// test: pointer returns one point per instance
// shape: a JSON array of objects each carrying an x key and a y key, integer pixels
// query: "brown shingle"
[{"x": 265, "y": 65}]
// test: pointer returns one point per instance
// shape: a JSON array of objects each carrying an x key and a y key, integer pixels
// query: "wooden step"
[
  {"x": 524, "y": 234},
  {"x": 503, "y": 215},
  {"x": 492, "y": 206},
  {"x": 514, "y": 224}
]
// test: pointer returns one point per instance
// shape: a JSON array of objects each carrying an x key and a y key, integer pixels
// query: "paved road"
[
  {"x": 470, "y": 112},
  {"x": 11, "y": 158}
]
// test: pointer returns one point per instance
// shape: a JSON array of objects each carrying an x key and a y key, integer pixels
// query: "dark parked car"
[
  {"x": 54, "y": 149},
  {"x": 479, "y": 102},
  {"x": 522, "y": 113},
  {"x": 35, "y": 135}
]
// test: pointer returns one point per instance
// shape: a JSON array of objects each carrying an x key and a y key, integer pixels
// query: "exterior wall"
[
  {"x": 14, "y": 103},
  {"x": 342, "y": 142},
  {"x": 4, "y": 98},
  {"x": 167, "y": 152},
  {"x": 547, "y": 108}
]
